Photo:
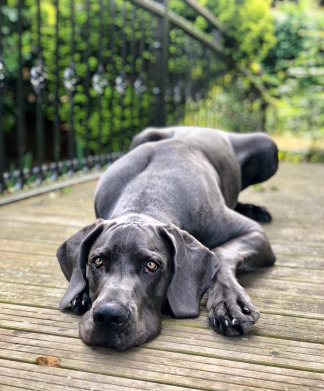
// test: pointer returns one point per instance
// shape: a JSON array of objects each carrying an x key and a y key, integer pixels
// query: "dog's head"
[{"x": 132, "y": 266}]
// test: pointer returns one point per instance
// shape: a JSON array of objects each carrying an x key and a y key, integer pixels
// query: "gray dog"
[{"x": 168, "y": 228}]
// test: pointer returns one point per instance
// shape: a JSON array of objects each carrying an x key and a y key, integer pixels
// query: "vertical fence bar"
[
  {"x": 38, "y": 78},
  {"x": 157, "y": 120},
  {"x": 207, "y": 75},
  {"x": 218, "y": 101},
  {"x": 181, "y": 83},
  {"x": 139, "y": 83},
  {"x": 188, "y": 81},
  {"x": 99, "y": 83},
  {"x": 264, "y": 106},
  {"x": 2, "y": 86},
  {"x": 56, "y": 124},
  {"x": 133, "y": 59},
  {"x": 222, "y": 103},
  {"x": 215, "y": 99},
  {"x": 165, "y": 60},
  {"x": 162, "y": 46},
  {"x": 112, "y": 79},
  {"x": 148, "y": 75},
  {"x": 39, "y": 116},
  {"x": 122, "y": 82},
  {"x": 170, "y": 102},
  {"x": 237, "y": 114},
  {"x": 21, "y": 133},
  {"x": 178, "y": 85},
  {"x": 71, "y": 80},
  {"x": 252, "y": 98},
  {"x": 71, "y": 147},
  {"x": 193, "y": 108},
  {"x": 153, "y": 67},
  {"x": 87, "y": 88},
  {"x": 2, "y": 147}
]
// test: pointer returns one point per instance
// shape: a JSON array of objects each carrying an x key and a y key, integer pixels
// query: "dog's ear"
[
  {"x": 194, "y": 267},
  {"x": 73, "y": 255}
]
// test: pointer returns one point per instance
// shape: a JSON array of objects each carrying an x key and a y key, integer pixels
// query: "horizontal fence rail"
[{"x": 79, "y": 78}]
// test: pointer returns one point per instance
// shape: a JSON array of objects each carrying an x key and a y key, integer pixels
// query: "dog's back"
[{"x": 180, "y": 175}]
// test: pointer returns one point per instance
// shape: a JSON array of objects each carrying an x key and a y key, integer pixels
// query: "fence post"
[
  {"x": 264, "y": 106},
  {"x": 162, "y": 46},
  {"x": 2, "y": 138},
  {"x": 21, "y": 132}
]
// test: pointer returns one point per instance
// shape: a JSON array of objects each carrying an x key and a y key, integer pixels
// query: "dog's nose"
[{"x": 111, "y": 315}]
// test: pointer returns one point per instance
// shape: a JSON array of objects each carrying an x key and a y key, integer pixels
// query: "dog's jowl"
[{"x": 169, "y": 227}]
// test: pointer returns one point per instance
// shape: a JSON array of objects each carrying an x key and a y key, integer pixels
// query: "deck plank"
[
  {"x": 177, "y": 364},
  {"x": 284, "y": 351}
]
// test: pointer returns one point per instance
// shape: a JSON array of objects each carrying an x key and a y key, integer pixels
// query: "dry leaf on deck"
[{"x": 48, "y": 361}]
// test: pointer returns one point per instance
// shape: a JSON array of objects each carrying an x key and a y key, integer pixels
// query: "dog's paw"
[
  {"x": 254, "y": 212},
  {"x": 261, "y": 214},
  {"x": 230, "y": 310},
  {"x": 81, "y": 303}
]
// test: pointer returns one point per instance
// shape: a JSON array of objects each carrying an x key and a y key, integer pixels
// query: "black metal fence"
[{"x": 78, "y": 78}]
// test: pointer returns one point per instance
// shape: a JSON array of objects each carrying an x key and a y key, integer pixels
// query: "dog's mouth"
[
  {"x": 110, "y": 339},
  {"x": 119, "y": 339}
]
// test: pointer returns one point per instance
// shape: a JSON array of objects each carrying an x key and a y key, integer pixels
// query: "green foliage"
[
  {"x": 123, "y": 113},
  {"x": 283, "y": 45},
  {"x": 249, "y": 22},
  {"x": 295, "y": 69},
  {"x": 116, "y": 113}
]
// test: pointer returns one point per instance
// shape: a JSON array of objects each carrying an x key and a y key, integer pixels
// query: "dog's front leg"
[{"x": 229, "y": 307}]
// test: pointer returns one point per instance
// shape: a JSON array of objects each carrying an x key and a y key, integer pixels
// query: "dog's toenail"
[
  {"x": 74, "y": 303},
  {"x": 235, "y": 322},
  {"x": 227, "y": 323},
  {"x": 246, "y": 309},
  {"x": 256, "y": 316},
  {"x": 216, "y": 323}
]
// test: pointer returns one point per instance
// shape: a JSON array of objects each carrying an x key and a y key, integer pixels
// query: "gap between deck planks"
[{"x": 284, "y": 351}]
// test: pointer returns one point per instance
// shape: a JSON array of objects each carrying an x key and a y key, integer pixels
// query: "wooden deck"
[{"x": 284, "y": 351}]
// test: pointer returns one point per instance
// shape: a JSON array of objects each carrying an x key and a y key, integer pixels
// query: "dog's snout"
[{"x": 111, "y": 315}]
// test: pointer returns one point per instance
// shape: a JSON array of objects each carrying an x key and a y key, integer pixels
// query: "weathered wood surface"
[{"x": 285, "y": 350}]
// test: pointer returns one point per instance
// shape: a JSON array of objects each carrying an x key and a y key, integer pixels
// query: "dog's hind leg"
[
  {"x": 254, "y": 212},
  {"x": 229, "y": 307},
  {"x": 257, "y": 155}
]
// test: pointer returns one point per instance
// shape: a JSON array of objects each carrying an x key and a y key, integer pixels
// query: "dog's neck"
[
  {"x": 135, "y": 218},
  {"x": 141, "y": 218}
]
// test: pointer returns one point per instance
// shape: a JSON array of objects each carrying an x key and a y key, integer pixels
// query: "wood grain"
[{"x": 284, "y": 351}]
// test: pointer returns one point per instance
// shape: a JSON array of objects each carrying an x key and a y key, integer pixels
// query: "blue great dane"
[{"x": 169, "y": 227}]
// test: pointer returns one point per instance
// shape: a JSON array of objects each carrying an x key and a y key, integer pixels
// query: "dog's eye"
[
  {"x": 151, "y": 267},
  {"x": 98, "y": 263}
]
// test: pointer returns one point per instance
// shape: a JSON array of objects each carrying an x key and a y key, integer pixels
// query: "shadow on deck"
[{"x": 285, "y": 350}]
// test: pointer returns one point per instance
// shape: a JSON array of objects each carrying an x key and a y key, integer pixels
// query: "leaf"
[
  {"x": 48, "y": 361},
  {"x": 11, "y": 13}
]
